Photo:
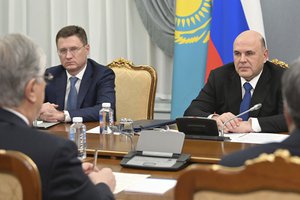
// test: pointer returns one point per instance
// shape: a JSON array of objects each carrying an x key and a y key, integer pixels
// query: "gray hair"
[
  {"x": 20, "y": 60},
  {"x": 291, "y": 91}
]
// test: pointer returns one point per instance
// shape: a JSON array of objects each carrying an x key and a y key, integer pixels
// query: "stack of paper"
[
  {"x": 142, "y": 183},
  {"x": 256, "y": 138}
]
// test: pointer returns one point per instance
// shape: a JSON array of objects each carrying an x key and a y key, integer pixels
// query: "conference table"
[{"x": 111, "y": 148}]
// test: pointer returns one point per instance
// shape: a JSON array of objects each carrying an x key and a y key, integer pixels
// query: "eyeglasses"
[
  {"x": 72, "y": 50},
  {"x": 47, "y": 77}
]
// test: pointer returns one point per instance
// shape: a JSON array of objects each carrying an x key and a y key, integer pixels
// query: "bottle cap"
[
  {"x": 107, "y": 105},
  {"x": 77, "y": 119}
]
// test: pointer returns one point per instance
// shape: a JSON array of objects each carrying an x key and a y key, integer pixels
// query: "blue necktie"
[
  {"x": 245, "y": 104},
  {"x": 72, "y": 97}
]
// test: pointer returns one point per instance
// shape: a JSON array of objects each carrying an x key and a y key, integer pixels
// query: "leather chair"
[
  {"x": 135, "y": 90},
  {"x": 19, "y": 177},
  {"x": 274, "y": 176}
]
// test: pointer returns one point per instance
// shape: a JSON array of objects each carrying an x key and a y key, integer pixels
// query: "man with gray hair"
[
  {"x": 22, "y": 85},
  {"x": 291, "y": 109}
]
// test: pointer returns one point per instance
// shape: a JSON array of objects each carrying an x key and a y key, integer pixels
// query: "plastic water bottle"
[
  {"x": 78, "y": 135},
  {"x": 106, "y": 118}
]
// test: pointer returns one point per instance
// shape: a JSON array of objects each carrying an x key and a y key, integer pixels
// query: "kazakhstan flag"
[{"x": 192, "y": 25}]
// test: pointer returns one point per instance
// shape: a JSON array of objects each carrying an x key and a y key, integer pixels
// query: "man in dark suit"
[
  {"x": 22, "y": 83},
  {"x": 94, "y": 83},
  {"x": 291, "y": 109},
  {"x": 222, "y": 95}
]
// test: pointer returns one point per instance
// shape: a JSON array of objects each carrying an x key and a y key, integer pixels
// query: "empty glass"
[{"x": 126, "y": 126}]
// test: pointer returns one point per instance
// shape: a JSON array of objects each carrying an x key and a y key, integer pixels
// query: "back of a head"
[
  {"x": 20, "y": 60},
  {"x": 291, "y": 91}
]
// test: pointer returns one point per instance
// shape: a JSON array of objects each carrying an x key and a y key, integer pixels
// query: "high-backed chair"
[
  {"x": 280, "y": 63},
  {"x": 273, "y": 176},
  {"x": 19, "y": 177},
  {"x": 135, "y": 89}
]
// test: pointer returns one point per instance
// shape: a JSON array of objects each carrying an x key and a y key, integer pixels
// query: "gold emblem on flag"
[{"x": 192, "y": 21}]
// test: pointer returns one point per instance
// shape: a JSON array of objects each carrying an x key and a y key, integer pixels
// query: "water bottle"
[
  {"x": 78, "y": 135},
  {"x": 106, "y": 119}
]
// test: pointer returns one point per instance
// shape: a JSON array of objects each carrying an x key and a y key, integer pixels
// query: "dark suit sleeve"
[
  {"x": 67, "y": 179},
  {"x": 205, "y": 102},
  {"x": 105, "y": 92},
  {"x": 271, "y": 118},
  {"x": 273, "y": 124}
]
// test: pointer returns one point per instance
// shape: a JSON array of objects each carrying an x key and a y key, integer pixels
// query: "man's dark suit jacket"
[
  {"x": 291, "y": 143},
  {"x": 222, "y": 93},
  {"x": 61, "y": 173},
  {"x": 97, "y": 86}
]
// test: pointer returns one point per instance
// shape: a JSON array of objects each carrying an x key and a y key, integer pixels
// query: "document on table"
[
  {"x": 256, "y": 138},
  {"x": 152, "y": 185},
  {"x": 125, "y": 180},
  {"x": 94, "y": 130},
  {"x": 44, "y": 125},
  {"x": 142, "y": 183}
]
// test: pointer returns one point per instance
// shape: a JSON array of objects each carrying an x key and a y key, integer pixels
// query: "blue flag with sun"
[{"x": 191, "y": 40}]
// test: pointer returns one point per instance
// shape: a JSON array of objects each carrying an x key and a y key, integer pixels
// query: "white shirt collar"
[
  {"x": 18, "y": 114},
  {"x": 253, "y": 82},
  {"x": 79, "y": 75}
]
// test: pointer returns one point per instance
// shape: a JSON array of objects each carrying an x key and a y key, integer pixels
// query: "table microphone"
[{"x": 255, "y": 107}]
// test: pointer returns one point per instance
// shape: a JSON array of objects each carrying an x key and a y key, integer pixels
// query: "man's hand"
[
  {"x": 244, "y": 127},
  {"x": 103, "y": 175},
  {"x": 231, "y": 125},
  {"x": 50, "y": 113}
]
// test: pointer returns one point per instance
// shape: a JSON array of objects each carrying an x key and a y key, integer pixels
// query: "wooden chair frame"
[
  {"x": 25, "y": 170},
  {"x": 279, "y": 63},
  {"x": 274, "y": 172},
  {"x": 121, "y": 63}
]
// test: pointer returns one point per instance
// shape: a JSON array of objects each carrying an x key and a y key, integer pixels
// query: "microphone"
[{"x": 255, "y": 107}]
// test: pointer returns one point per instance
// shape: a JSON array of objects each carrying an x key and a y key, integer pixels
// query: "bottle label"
[
  {"x": 78, "y": 135},
  {"x": 72, "y": 135},
  {"x": 106, "y": 120}
]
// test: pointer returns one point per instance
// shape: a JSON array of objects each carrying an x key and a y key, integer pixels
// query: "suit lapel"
[
  {"x": 85, "y": 84},
  {"x": 60, "y": 87},
  {"x": 234, "y": 93},
  {"x": 261, "y": 90}
]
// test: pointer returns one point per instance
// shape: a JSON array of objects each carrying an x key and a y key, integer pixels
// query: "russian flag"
[{"x": 229, "y": 19}]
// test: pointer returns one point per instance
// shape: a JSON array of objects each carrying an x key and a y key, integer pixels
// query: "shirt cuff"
[
  {"x": 255, "y": 125},
  {"x": 67, "y": 116},
  {"x": 212, "y": 115}
]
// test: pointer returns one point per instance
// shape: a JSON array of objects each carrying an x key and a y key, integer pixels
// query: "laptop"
[{"x": 199, "y": 128}]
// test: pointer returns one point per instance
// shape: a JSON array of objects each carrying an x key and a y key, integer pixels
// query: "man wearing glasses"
[{"x": 80, "y": 85}]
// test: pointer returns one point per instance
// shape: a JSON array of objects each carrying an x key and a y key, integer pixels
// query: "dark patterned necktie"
[
  {"x": 72, "y": 97},
  {"x": 245, "y": 104}
]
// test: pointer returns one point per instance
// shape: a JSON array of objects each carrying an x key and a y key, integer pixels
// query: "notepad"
[
  {"x": 126, "y": 180},
  {"x": 152, "y": 185},
  {"x": 45, "y": 125}
]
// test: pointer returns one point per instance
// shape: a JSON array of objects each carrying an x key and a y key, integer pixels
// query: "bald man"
[{"x": 221, "y": 97}]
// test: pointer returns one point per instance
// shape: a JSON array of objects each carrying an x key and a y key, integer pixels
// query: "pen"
[
  {"x": 243, "y": 135},
  {"x": 95, "y": 159}
]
